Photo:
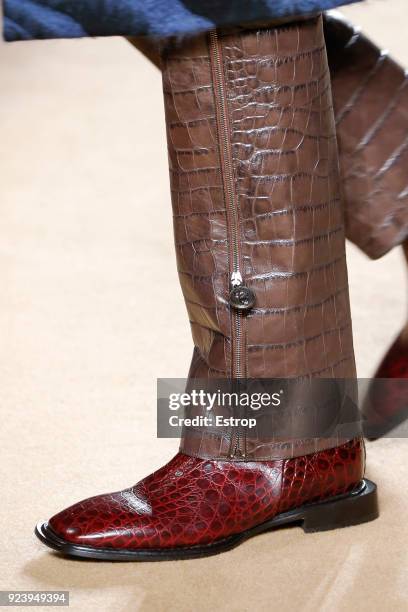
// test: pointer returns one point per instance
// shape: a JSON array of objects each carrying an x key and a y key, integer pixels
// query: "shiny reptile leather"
[
  {"x": 291, "y": 240},
  {"x": 370, "y": 93},
  {"x": 290, "y": 212},
  {"x": 370, "y": 101},
  {"x": 291, "y": 222},
  {"x": 192, "y": 501}
]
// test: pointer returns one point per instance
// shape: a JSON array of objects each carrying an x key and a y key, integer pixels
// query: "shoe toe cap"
[{"x": 104, "y": 520}]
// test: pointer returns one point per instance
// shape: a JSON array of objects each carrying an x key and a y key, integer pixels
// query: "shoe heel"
[{"x": 357, "y": 507}]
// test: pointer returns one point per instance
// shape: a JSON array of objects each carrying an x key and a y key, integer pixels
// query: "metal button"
[{"x": 241, "y": 298}]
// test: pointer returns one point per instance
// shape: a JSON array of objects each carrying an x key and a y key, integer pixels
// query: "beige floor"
[{"x": 85, "y": 253}]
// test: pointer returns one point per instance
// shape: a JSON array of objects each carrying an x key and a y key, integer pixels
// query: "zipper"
[
  {"x": 241, "y": 298},
  {"x": 226, "y": 154}
]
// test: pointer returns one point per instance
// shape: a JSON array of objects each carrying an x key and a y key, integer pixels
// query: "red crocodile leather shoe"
[
  {"x": 195, "y": 507},
  {"x": 386, "y": 404}
]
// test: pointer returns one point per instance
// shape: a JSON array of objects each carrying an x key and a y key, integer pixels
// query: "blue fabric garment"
[{"x": 27, "y": 19}]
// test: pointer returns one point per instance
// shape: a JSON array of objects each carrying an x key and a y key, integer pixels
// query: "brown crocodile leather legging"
[
  {"x": 257, "y": 205},
  {"x": 370, "y": 99}
]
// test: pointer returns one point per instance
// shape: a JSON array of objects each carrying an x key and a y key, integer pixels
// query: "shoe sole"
[{"x": 358, "y": 506}]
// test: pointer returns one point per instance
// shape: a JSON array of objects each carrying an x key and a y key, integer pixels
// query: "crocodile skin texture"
[
  {"x": 370, "y": 93},
  {"x": 370, "y": 103},
  {"x": 386, "y": 403},
  {"x": 290, "y": 215},
  {"x": 192, "y": 501},
  {"x": 282, "y": 146}
]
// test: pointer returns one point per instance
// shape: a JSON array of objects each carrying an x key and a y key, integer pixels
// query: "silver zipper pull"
[
  {"x": 236, "y": 279},
  {"x": 240, "y": 297}
]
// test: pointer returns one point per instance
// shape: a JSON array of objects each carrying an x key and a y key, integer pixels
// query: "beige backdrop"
[{"x": 91, "y": 313}]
